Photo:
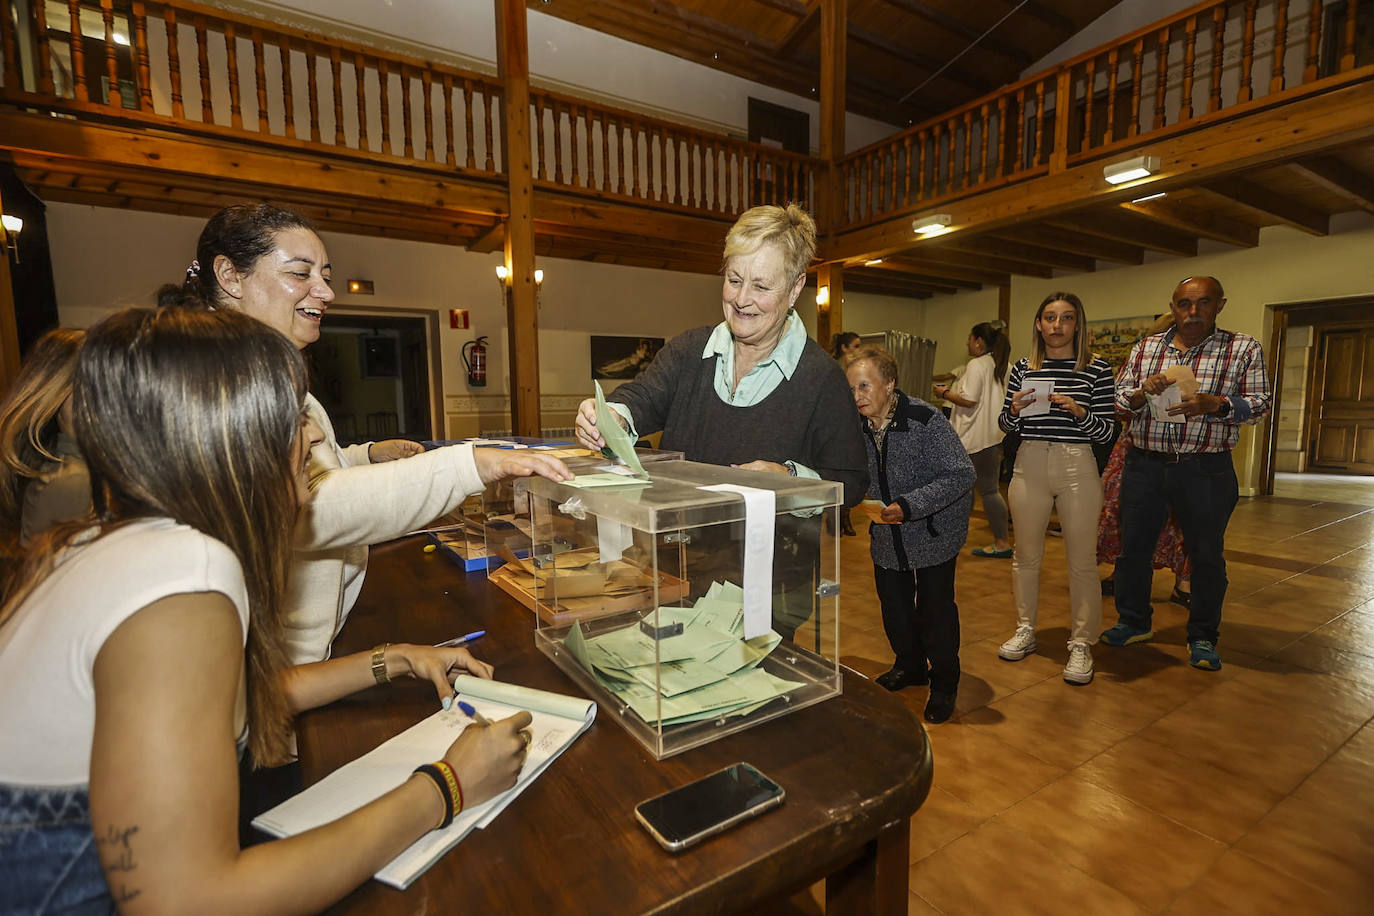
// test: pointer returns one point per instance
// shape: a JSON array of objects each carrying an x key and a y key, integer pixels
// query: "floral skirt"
[{"x": 1170, "y": 551}]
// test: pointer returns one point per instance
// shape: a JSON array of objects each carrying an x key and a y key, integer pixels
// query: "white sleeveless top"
[{"x": 49, "y": 646}]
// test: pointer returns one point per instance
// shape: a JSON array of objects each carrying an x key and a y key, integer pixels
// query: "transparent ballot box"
[
  {"x": 699, "y": 602},
  {"x": 502, "y": 513}
]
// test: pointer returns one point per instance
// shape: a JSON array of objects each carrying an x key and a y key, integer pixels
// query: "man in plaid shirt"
[{"x": 1181, "y": 459}]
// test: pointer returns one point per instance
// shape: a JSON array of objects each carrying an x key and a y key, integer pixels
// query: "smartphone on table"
[{"x": 689, "y": 814}]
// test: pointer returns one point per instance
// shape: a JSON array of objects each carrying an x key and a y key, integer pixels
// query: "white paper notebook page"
[{"x": 1043, "y": 388}]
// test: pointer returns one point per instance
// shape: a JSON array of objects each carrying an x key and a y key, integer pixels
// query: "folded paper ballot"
[
  {"x": 873, "y": 508},
  {"x": 558, "y": 721}
]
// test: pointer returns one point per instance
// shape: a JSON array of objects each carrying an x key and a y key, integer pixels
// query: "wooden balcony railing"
[
  {"x": 1211, "y": 61},
  {"x": 191, "y": 68}
]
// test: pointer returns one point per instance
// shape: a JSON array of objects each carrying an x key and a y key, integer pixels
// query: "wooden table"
[{"x": 855, "y": 768}]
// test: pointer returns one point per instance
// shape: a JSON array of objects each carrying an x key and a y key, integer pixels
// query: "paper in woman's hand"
[
  {"x": 619, "y": 445},
  {"x": 873, "y": 508},
  {"x": 1040, "y": 403}
]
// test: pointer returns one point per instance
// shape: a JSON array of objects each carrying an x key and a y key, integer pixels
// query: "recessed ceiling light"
[
  {"x": 1140, "y": 200},
  {"x": 1130, "y": 169},
  {"x": 931, "y": 224}
]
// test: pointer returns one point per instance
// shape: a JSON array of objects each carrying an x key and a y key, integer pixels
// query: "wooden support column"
[
  {"x": 9, "y": 322},
  {"x": 830, "y": 316},
  {"x": 522, "y": 318}
]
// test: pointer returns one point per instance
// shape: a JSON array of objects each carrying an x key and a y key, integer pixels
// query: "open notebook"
[{"x": 558, "y": 720}]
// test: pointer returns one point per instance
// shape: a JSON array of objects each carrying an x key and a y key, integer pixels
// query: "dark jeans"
[
  {"x": 1202, "y": 491},
  {"x": 922, "y": 620},
  {"x": 48, "y": 859}
]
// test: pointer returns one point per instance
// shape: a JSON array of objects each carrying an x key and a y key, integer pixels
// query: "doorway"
[
  {"x": 1323, "y": 416},
  {"x": 372, "y": 377}
]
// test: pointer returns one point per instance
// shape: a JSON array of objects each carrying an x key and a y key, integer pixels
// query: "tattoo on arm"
[{"x": 117, "y": 854}]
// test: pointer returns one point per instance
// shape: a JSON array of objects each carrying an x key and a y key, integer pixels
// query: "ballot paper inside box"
[
  {"x": 500, "y": 513},
  {"x": 696, "y": 603}
]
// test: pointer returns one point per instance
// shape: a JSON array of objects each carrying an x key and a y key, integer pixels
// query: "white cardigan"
[
  {"x": 355, "y": 503},
  {"x": 977, "y": 426}
]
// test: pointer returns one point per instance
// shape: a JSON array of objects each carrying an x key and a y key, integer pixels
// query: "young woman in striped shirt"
[{"x": 1055, "y": 470}]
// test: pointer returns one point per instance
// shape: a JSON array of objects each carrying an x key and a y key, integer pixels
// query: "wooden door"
[{"x": 1341, "y": 433}]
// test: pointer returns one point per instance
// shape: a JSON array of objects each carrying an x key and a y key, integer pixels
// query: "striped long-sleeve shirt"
[
  {"x": 1227, "y": 364},
  {"x": 1092, "y": 388}
]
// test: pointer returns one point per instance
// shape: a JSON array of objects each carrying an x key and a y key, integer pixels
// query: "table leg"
[{"x": 875, "y": 882}]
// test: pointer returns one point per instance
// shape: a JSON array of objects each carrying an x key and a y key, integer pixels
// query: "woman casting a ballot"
[
  {"x": 753, "y": 391},
  {"x": 137, "y": 648}
]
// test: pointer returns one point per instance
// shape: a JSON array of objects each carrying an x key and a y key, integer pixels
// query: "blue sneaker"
[
  {"x": 1202, "y": 654},
  {"x": 1123, "y": 634}
]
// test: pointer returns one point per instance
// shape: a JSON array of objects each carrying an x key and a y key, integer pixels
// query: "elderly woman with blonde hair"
[{"x": 753, "y": 391}]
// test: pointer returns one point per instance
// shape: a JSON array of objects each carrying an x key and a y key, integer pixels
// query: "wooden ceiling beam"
[
  {"x": 1338, "y": 178},
  {"x": 932, "y": 278},
  {"x": 959, "y": 257},
  {"x": 809, "y": 19},
  {"x": 899, "y": 276},
  {"x": 1017, "y": 257},
  {"x": 1123, "y": 226},
  {"x": 1196, "y": 219},
  {"x": 865, "y": 282},
  {"x": 1269, "y": 204},
  {"x": 955, "y": 26},
  {"x": 1075, "y": 242},
  {"x": 905, "y": 54},
  {"x": 1055, "y": 20},
  {"x": 918, "y": 262},
  {"x": 491, "y": 240}
]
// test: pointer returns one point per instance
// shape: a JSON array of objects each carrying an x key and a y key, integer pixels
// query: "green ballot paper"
[{"x": 619, "y": 446}]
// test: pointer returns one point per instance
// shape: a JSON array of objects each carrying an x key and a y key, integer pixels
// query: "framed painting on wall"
[
  {"x": 622, "y": 357},
  {"x": 1112, "y": 338}
]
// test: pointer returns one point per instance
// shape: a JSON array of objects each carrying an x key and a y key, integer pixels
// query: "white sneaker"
[
  {"x": 1079, "y": 670},
  {"x": 1019, "y": 646}
]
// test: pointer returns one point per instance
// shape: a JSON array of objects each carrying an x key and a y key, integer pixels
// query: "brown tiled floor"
[{"x": 1159, "y": 788}]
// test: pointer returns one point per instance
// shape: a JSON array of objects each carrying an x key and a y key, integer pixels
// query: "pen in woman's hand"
[
  {"x": 471, "y": 712},
  {"x": 460, "y": 640}
]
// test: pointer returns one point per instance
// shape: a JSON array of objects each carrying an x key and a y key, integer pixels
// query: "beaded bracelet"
[{"x": 432, "y": 771}]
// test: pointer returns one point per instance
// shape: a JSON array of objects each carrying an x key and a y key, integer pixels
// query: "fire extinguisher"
[{"x": 477, "y": 364}]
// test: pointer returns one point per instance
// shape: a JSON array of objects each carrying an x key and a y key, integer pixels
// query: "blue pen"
[
  {"x": 460, "y": 640},
  {"x": 471, "y": 712}
]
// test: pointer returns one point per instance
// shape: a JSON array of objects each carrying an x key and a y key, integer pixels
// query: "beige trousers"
[{"x": 1063, "y": 477}]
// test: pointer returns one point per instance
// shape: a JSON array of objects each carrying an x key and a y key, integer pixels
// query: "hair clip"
[{"x": 193, "y": 272}]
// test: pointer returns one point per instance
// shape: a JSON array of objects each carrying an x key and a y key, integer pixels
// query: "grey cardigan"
[{"x": 924, "y": 469}]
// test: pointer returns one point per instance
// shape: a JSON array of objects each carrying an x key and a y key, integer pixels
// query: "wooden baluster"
[
  {"x": 40, "y": 17},
  {"x": 336, "y": 86},
  {"x": 894, "y": 175},
  {"x": 1017, "y": 120},
  {"x": 557, "y": 143},
  {"x": 1113, "y": 66},
  {"x": 1039, "y": 122},
  {"x": 1247, "y": 52},
  {"x": 934, "y": 160},
  {"x": 312, "y": 85},
  {"x": 112, "y": 96},
  {"x": 605, "y": 183},
  {"x": 487, "y": 95},
  {"x": 574, "y": 176},
  {"x": 207, "y": 104},
  {"x": 288, "y": 87},
  {"x": 985, "y": 128},
  {"x": 260, "y": 79},
  {"x": 384, "y": 81},
  {"x": 1003, "y": 122},
  {"x": 360, "y": 102},
  {"x": 1137, "y": 64},
  {"x": 680, "y": 193},
  {"x": 693, "y": 199},
  {"x": 1218, "y": 52},
  {"x": 1161, "y": 74},
  {"x": 78, "y": 53},
  {"x": 427, "y": 87},
  {"x": 1314, "y": 40},
  {"x": 145, "y": 77},
  {"x": 907, "y": 170},
  {"x": 1090, "y": 72},
  {"x": 1185, "y": 106},
  {"x": 633, "y": 127},
  {"x": 450, "y": 156},
  {"x": 966, "y": 178},
  {"x": 1348, "y": 55},
  {"x": 407, "y": 120},
  {"x": 231, "y": 56},
  {"x": 1277, "y": 81},
  {"x": 470, "y": 160},
  {"x": 590, "y": 141},
  {"x": 537, "y": 100},
  {"x": 7, "y": 43}
]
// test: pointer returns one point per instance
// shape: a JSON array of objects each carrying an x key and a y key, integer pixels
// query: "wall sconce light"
[
  {"x": 1130, "y": 169},
  {"x": 360, "y": 287},
  {"x": 931, "y": 224},
  {"x": 538, "y": 276},
  {"x": 502, "y": 274},
  {"x": 823, "y": 299},
  {"x": 9, "y": 237}
]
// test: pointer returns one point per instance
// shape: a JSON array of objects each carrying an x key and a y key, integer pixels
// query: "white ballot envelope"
[
  {"x": 1043, "y": 388},
  {"x": 1160, "y": 404}
]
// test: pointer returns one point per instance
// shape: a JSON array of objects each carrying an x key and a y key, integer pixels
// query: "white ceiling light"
[
  {"x": 931, "y": 224},
  {"x": 1130, "y": 169},
  {"x": 1141, "y": 200}
]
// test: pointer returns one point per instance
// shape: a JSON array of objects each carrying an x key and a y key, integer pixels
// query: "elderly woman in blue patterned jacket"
[{"x": 923, "y": 476}]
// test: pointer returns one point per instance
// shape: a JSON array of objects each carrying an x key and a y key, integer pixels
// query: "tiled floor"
[{"x": 1160, "y": 788}]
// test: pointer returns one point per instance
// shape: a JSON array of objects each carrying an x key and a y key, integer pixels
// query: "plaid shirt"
[{"x": 1226, "y": 364}]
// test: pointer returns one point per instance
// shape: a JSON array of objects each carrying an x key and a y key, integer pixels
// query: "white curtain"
[{"x": 915, "y": 360}]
